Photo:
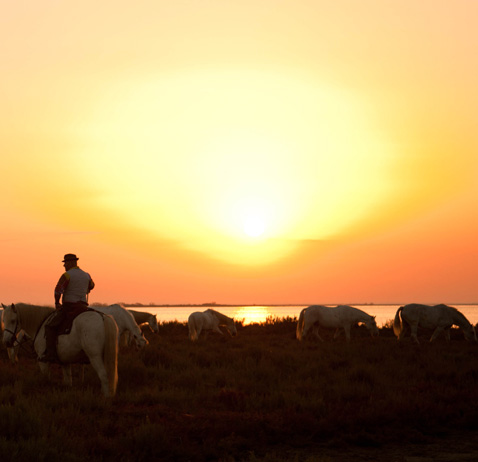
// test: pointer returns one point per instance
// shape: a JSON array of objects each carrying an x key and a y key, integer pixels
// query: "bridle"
[{"x": 13, "y": 333}]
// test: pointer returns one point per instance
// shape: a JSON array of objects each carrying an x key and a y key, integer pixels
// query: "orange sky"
[{"x": 241, "y": 152}]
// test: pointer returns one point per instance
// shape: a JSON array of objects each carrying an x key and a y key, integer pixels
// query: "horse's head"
[
  {"x": 372, "y": 327},
  {"x": 470, "y": 334},
  {"x": 11, "y": 325},
  {"x": 140, "y": 341},
  {"x": 153, "y": 323},
  {"x": 231, "y": 327}
]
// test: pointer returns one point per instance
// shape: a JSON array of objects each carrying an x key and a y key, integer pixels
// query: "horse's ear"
[
  {"x": 3, "y": 305},
  {"x": 14, "y": 308}
]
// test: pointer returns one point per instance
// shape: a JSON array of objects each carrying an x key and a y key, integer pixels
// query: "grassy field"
[{"x": 261, "y": 396}]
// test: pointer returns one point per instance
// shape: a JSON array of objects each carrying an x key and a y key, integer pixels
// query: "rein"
[
  {"x": 21, "y": 344},
  {"x": 14, "y": 332}
]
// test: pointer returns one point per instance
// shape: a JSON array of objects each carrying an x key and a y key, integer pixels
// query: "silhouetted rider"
[{"x": 74, "y": 285}]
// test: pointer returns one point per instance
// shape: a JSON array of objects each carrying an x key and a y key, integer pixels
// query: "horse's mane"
[
  {"x": 367, "y": 317},
  {"x": 358, "y": 310},
  {"x": 140, "y": 316},
  {"x": 221, "y": 317},
  {"x": 32, "y": 315}
]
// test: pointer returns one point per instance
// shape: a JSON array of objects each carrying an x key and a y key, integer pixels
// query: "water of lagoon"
[{"x": 259, "y": 314}]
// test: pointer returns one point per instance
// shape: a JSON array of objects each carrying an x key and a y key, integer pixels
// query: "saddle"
[{"x": 65, "y": 326}]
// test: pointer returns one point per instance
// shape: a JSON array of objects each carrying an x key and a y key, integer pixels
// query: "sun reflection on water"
[{"x": 252, "y": 314}]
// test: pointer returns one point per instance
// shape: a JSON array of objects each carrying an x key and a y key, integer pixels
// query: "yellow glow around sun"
[
  {"x": 236, "y": 165},
  {"x": 254, "y": 225}
]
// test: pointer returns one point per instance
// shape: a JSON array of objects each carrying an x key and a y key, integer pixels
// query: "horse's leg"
[
  {"x": 216, "y": 329},
  {"x": 67, "y": 378},
  {"x": 447, "y": 334},
  {"x": 306, "y": 327},
  {"x": 404, "y": 332},
  {"x": 414, "y": 331},
  {"x": 337, "y": 333},
  {"x": 198, "y": 330},
  {"x": 315, "y": 331},
  {"x": 96, "y": 362},
  {"x": 95, "y": 351},
  {"x": 305, "y": 330},
  {"x": 44, "y": 369},
  {"x": 81, "y": 373},
  {"x": 191, "y": 331},
  {"x": 13, "y": 355},
  {"x": 437, "y": 332},
  {"x": 347, "y": 332}
]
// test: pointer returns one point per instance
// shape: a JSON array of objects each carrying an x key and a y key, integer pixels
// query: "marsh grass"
[{"x": 259, "y": 396}]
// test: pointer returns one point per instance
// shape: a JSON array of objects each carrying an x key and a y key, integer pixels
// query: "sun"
[
  {"x": 254, "y": 226},
  {"x": 252, "y": 314},
  {"x": 263, "y": 168}
]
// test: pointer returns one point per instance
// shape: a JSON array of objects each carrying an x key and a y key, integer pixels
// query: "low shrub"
[{"x": 252, "y": 397}]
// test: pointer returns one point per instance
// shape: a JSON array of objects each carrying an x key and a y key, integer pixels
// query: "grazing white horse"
[
  {"x": 92, "y": 334},
  {"x": 340, "y": 317},
  {"x": 141, "y": 317},
  {"x": 438, "y": 317},
  {"x": 209, "y": 320},
  {"x": 125, "y": 321}
]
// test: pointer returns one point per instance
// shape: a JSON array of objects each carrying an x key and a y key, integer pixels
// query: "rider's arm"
[{"x": 60, "y": 287}]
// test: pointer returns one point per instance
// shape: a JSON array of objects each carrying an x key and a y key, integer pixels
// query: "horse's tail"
[
  {"x": 193, "y": 335},
  {"x": 397, "y": 322},
  {"x": 300, "y": 325},
  {"x": 110, "y": 354}
]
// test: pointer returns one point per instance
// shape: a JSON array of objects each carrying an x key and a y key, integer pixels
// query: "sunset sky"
[{"x": 241, "y": 151}]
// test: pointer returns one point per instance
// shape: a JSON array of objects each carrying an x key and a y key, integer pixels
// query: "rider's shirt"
[{"x": 74, "y": 284}]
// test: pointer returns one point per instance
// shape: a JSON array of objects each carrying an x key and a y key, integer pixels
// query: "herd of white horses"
[{"x": 95, "y": 334}]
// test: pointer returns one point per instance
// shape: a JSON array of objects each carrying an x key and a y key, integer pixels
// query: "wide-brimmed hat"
[{"x": 70, "y": 257}]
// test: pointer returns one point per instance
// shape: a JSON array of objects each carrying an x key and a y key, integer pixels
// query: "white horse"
[
  {"x": 92, "y": 334},
  {"x": 20, "y": 339},
  {"x": 439, "y": 317},
  {"x": 141, "y": 317},
  {"x": 209, "y": 320},
  {"x": 125, "y": 321},
  {"x": 342, "y": 316}
]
